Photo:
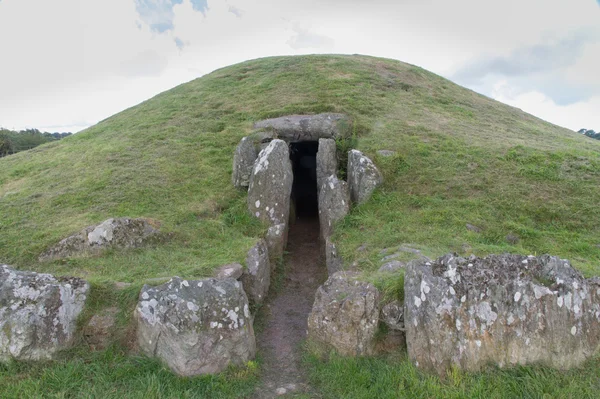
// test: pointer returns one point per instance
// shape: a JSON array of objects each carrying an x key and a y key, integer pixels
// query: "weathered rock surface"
[
  {"x": 112, "y": 233},
  {"x": 294, "y": 128},
  {"x": 333, "y": 260},
  {"x": 363, "y": 176},
  {"x": 276, "y": 240},
  {"x": 334, "y": 204},
  {"x": 98, "y": 331},
  {"x": 345, "y": 315},
  {"x": 232, "y": 270},
  {"x": 271, "y": 184},
  {"x": 38, "y": 313},
  {"x": 392, "y": 314},
  {"x": 503, "y": 310},
  {"x": 243, "y": 162},
  {"x": 327, "y": 162},
  {"x": 196, "y": 326},
  {"x": 257, "y": 276},
  {"x": 392, "y": 266}
]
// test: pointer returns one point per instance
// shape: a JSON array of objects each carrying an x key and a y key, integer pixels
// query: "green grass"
[
  {"x": 460, "y": 158},
  {"x": 396, "y": 377}
]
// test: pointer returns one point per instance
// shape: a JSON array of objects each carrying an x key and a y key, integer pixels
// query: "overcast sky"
[{"x": 67, "y": 64}]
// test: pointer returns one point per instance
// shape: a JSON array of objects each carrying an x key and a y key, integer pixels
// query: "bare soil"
[{"x": 286, "y": 313}]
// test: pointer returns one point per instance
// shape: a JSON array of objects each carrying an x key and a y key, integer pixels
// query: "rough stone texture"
[
  {"x": 276, "y": 240},
  {"x": 99, "y": 330},
  {"x": 392, "y": 314},
  {"x": 334, "y": 204},
  {"x": 392, "y": 266},
  {"x": 503, "y": 310},
  {"x": 327, "y": 162},
  {"x": 38, "y": 313},
  {"x": 333, "y": 260},
  {"x": 363, "y": 176},
  {"x": 196, "y": 326},
  {"x": 345, "y": 315},
  {"x": 257, "y": 275},
  {"x": 294, "y": 128},
  {"x": 112, "y": 233},
  {"x": 271, "y": 184},
  {"x": 243, "y": 161},
  {"x": 233, "y": 270}
]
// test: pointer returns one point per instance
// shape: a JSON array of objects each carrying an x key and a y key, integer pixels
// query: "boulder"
[
  {"x": 294, "y": 128},
  {"x": 196, "y": 326},
  {"x": 392, "y": 315},
  {"x": 112, "y": 233},
  {"x": 232, "y": 270},
  {"x": 276, "y": 240},
  {"x": 243, "y": 161},
  {"x": 98, "y": 332},
  {"x": 38, "y": 313},
  {"x": 334, "y": 204},
  {"x": 363, "y": 176},
  {"x": 502, "y": 310},
  {"x": 333, "y": 260},
  {"x": 345, "y": 315},
  {"x": 271, "y": 184},
  {"x": 257, "y": 276},
  {"x": 327, "y": 162}
]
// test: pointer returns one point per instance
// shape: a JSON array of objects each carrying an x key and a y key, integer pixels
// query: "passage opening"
[{"x": 304, "y": 190}]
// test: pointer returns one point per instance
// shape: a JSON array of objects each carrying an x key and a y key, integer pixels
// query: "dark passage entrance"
[{"x": 304, "y": 190}]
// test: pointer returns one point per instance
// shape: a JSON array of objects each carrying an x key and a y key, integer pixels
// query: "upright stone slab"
[
  {"x": 363, "y": 176},
  {"x": 345, "y": 315},
  {"x": 294, "y": 128},
  {"x": 333, "y": 260},
  {"x": 326, "y": 161},
  {"x": 334, "y": 204},
  {"x": 38, "y": 313},
  {"x": 276, "y": 240},
  {"x": 271, "y": 184},
  {"x": 243, "y": 161},
  {"x": 503, "y": 310},
  {"x": 196, "y": 326},
  {"x": 257, "y": 276}
]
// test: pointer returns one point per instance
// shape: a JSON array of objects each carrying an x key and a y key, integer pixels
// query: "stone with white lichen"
[
  {"x": 38, "y": 313},
  {"x": 502, "y": 310},
  {"x": 363, "y": 176},
  {"x": 196, "y": 326}
]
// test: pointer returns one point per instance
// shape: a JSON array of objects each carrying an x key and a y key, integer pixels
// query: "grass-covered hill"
[
  {"x": 529, "y": 186},
  {"x": 461, "y": 158}
]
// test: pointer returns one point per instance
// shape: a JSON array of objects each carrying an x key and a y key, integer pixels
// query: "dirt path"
[{"x": 286, "y": 313}]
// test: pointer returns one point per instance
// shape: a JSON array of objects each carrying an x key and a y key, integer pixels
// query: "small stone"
[
  {"x": 392, "y": 266},
  {"x": 119, "y": 285},
  {"x": 512, "y": 239},
  {"x": 98, "y": 331},
  {"x": 473, "y": 228},
  {"x": 280, "y": 391},
  {"x": 363, "y": 176},
  {"x": 386, "y": 153},
  {"x": 233, "y": 270}
]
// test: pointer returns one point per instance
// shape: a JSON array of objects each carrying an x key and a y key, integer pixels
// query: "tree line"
[
  {"x": 12, "y": 141},
  {"x": 590, "y": 133}
]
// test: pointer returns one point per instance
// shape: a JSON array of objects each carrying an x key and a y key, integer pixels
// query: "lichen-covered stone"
[
  {"x": 276, "y": 240},
  {"x": 271, "y": 184},
  {"x": 38, "y": 313},
  {"x": 327, "y": 162},
  {"x": 112, "y": 233},
  {"x": 243, "y": 161},
  {"x": 295, "y": 128},
  {"x": 196, "y": 326},
  {"x": 503, "y": 310},
  {"x": 257, "y": 275},
  {"x": 232, "y": 270},
  {"x": 333, "y": 261},
  {"x": 345, "y": 315},
  {"x": 392, "y": 314},
  {"x": 334, "y": 204},
  {"x": 363, "y": 176}
]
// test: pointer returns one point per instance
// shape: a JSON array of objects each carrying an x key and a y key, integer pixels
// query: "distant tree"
[
  {"x": 12, "y": 141},
  {"x": 590, "y": 133},
  {"x": 6, "y": 145}
]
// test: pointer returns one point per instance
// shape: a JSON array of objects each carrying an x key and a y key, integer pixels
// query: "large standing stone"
[
  {"x": 196, "y": 326},
  {"x": 276, "y": 240},
  {"x": 257, "y": 276},
  {"x": 363, "y": 176},
  {"x": 38, "y": 313},
  {"x": 294, "y": 128},
  {"x": 243, "y": 161},
  {"x": 334, "y": 204},
  {"x": 345, "y": 315},
  {"x": 333, "y": 260},
  {"x": 326, "y": 161},
  {"x": 271, "y": 184},
  {"x": 112, "y": 233},
  {"x": 503, "y": 310}
]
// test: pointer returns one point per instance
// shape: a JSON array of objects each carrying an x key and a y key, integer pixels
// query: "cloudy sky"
[{"x": 67, "y": 64}]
